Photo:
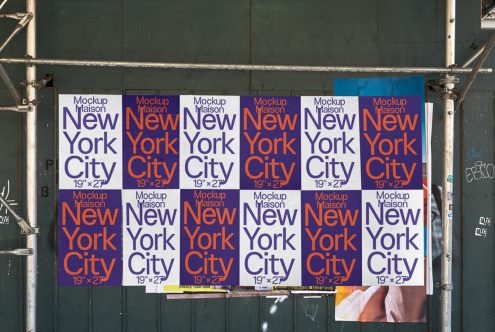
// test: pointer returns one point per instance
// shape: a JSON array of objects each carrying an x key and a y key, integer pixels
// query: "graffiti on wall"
[{"x": 5, "y": 192}]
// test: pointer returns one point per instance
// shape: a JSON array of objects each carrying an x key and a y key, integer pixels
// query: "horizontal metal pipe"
[
  {"x": 17, "y": 252},
  {"x": 206, "y": 66},
  {"x": 14, "y": 16},
  {"x": 20, "y": 108}
]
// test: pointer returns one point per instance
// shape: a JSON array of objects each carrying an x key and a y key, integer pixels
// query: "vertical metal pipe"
[
  {"x": 31, "y": 180},
  {"x": 448, "y": 167}
]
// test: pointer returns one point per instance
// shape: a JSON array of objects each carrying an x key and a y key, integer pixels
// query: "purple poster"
[
  {"x": 150, "y": 142},
  {"x": 209, "y": 237},
  {"x": 89, "y": 238},
  {"x": 270, "y": 142},
  {"x": 261, "y": 191},
  {"x": 331, "y": 238},
  {"x": 391, "y": 143}
]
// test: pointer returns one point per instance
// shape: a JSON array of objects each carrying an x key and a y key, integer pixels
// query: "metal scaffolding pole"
[
  {"x": 448, "y": 167},
  {"x": 209, "y": 66},
  {"x": 3, "y": 4},
  {"x": 31, "y": 179},
  {"x": 16, "y": 108}
]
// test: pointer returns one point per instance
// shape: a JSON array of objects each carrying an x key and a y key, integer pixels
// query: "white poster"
[
  {"x": 90, "y": 144},
  {"x": 330, "y": 143},
  {"x": 393, "y": 237},
  {"x": 270, "y": 238},
  {"x": 151, "y": 237},
  {"x": 209, "y": 154}
]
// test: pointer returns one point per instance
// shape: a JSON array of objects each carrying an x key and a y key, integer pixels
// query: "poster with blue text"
[{"x": 253, "y": 191}]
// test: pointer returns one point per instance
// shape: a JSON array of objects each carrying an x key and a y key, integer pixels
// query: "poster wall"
[{"x": 240, "y": 191}]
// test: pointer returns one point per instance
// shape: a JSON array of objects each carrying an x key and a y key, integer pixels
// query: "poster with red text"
[{"x": 218, "y": 191}]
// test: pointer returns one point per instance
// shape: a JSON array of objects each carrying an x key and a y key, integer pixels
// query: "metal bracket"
[
  {"x": 34, "y": 84},
  {"x": 16, "y": 108},
  {"x": 28, "y": 57},
  {"x": 25, "y": 20},
  {"x": 449, "y": 79},
  {"x": 27, "y": 102},
  {"x": 17, "y": 252},
  {"x": 14, "y": 16},
  {"x": 36, "y": 230},
  {"x": 445, "y": 286}
]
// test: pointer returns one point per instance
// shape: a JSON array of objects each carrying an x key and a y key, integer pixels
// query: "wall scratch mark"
[{"x": 310, "y": 311}]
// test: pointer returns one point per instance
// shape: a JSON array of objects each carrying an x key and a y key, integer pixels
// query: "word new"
[
  {"x": 148, "y": 150},
  {"x": 89, "y": 167},
  {"x": 328, "y": 246},
  {"x": 268, "y": 153},
  {"x": 382, "y": 259},
  {"x": 200, "y": 163},
  {"x": 78, "y": 260},
  {"x": 201, "y": 240},
  {"x": 150, "y": 263},
  {"x": 382, "y": 164},
  {"x": 262, "y": 257}
]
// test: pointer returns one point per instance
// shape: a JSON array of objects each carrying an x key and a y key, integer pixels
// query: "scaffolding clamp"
[
  {"x": 25, "y": 20},
  {"x": 445, "y": 286},
  {"x": 13, "y": 16},
  {"x": 449, "y": 79},
  {"x": 26, "y": 103},
  {"x": 34, "y": 84}
]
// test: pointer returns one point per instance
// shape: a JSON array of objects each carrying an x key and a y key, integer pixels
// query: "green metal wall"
[{"x": 309, "y": 32}]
